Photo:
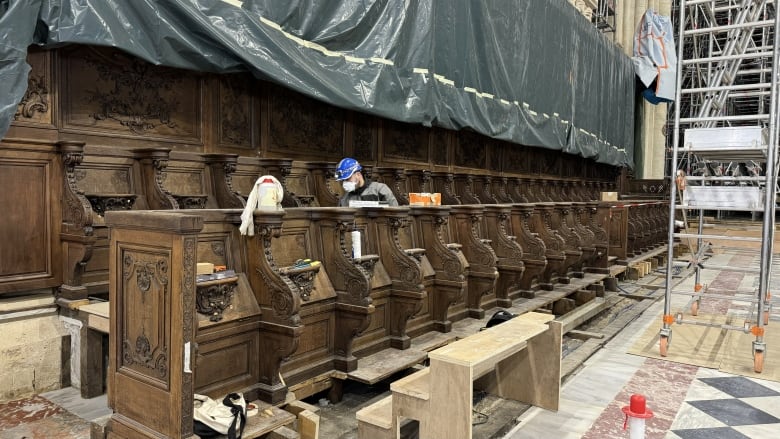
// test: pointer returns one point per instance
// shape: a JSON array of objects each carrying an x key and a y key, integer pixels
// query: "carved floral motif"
[{"x": 35, "y": 99}]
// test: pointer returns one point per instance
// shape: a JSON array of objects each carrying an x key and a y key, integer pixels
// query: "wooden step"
[
  {"x": 376, "y": 420},
  {"x": 416, "y": 385}
]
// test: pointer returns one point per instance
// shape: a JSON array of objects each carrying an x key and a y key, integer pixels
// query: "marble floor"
[{"x": 689, "y": 402}]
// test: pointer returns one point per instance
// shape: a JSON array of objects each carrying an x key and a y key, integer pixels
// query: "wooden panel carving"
[
  {"x": 440, "y": 140},
  {"x": 495, "y": 155},
  {"x": 402, "y": 141},
  {"x": 36, "y": 106},
  {"x": 111, "y": 92},
  {"x": 364, "y": 135},
  {"x": 236, "y": 111},
  {"x": 516, "y": 159},
  {"x": 303, "y": 126},
  {"x": 470, "y": 150},
  {"x": 145, "y": 298}
]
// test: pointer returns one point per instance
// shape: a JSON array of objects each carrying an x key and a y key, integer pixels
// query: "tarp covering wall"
[{"x": 533, "y": 72}]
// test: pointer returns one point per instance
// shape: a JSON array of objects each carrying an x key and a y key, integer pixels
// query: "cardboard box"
[
  {"x": 424, "y": 199},
  {"x": 609, "y": 196}
]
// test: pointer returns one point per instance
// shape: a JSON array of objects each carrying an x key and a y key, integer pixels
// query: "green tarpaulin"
[{"x": 532, "y": 72}]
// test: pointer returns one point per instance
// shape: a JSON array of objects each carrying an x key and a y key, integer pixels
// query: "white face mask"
[{"x": 349, "y": 186}]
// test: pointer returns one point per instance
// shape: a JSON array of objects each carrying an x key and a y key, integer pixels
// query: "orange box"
[{"x": 424, "y": 199}]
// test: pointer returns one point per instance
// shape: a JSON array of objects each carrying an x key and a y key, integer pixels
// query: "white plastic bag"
[{"x": 225, "y": 417}]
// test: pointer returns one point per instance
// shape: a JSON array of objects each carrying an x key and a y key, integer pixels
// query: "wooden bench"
[{"x": 519, "y": 359}]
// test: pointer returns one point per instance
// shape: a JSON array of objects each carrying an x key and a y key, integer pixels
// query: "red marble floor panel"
[
  {"x": 38, "y": 418},
  {"x": 663, "y": 383},
  {"x": 26, "y": 410}
]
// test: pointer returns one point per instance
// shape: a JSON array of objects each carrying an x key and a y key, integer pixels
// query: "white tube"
[
  {"x": 636, "y": 428},
  {"x": 356, "y": 246}
]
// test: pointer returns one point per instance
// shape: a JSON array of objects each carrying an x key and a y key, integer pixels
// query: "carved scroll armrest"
[
  {"x": 454, "y": 246},
  {"x": 368, "y": 262},
  {"x": 302, "y": 277},
  {"x": 416, "y": 253},
  {"x": 486, "y": 241}
]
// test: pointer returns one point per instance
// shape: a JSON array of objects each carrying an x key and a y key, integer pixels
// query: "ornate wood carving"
[
  {"x": 77, "y": 224},
  {"x": 404, "y": 141},
  {"x": 236, "y": 110},
  {"x": 154, "y": 161},
  {"x": 485, "y": 192},
  {"x": 420, "y": 180},
  {"x": 446, "y": 259},
  {"x": 222, "y": 167},
  {"x": 395, "y": 178},
  {"x": 102, "y": 203},
  {"x": 482, "y": 259},
  {"x": 501, "y": 187},
  {"x": 470, "y": 151},
  {"x": 110, "y": 91},
  {"x": 444, "y": 183},
  {"x": 324, "y": 183},
  {"x": 533, "y": 248},
  {"x": 407, "y": 292},
  {"x": 294, "y": 120},
  {"x": 509, "y": 253},
  {"x": 554, "y": 243},
  {"x": 464, "y": 187},
  {"x": 364, "y": 137},
  {"x": 440, "y": 140},
  {"x": 214, "y": 297},
  {"x": 35, "y": 99}
]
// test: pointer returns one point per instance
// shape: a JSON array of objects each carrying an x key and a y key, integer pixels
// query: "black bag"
[{"x": 499, "y": 317}]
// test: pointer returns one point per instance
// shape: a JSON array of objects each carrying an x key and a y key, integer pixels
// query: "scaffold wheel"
[
  {"x": 695, "y": 308},
  {"x": 758, "y": 361},
  {"x": 664, "y": 345}
]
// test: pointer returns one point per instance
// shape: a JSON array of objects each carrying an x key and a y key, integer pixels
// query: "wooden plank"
[
  {"x": 451, "y": 399},
  {"x": 101, "y": 309},
  {"x": 493, "y": 344},
  {"x": 584, "y": 335},
  {"x": 416, "y": 385},
  {"x": 308, "y": 425},
  {"x": 378, "y": 414},
  {"x": 533, "y": 376},
  {"x": 376, "y": 367},
  {"x": 267, "y": 419},
  {"x": 98, "y": 323},
  {"x": 432, "y": 340}
]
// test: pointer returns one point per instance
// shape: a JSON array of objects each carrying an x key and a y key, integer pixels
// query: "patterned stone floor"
[{"x": 689, "y": 402}]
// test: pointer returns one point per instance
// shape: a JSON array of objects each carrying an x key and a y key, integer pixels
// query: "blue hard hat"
[{"x": 346, "y": 168}]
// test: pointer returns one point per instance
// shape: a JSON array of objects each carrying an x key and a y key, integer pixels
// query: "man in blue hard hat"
[{"x": 358, "y": 188}]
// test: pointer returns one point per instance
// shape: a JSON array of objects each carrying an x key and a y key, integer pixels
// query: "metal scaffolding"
[{"x": 724, "y": 150}]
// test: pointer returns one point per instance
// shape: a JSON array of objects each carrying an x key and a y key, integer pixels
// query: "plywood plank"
[{"x": 376, "y": 367}]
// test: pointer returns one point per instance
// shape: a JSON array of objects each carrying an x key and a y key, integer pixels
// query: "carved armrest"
[
  {"x": 102, "y": 203},
  {"x": 416, "y": 253},
  {"x": 191, "y": 201},
  {"x": 368, "y": 262},
  {"x": 306, "y": 200},
  {"x": 302, "y": 277},
  {"x": 454, "y": 246},
  {"x": 486, "y": 241}
]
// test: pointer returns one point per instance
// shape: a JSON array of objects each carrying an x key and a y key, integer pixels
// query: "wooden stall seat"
[
  {"x": 396, "y": 179},
  {"x": 430, "y": 231},
  {"x": 464, "y": 189},
  {"x": 534, "y": 250},
  {"x": 509, "y": 253},
  {"x": 519, "y": 359},
  {"x": 465, "y": 223},
  {"x": 444, "y": 183},
  {"x": 554, "y": 245},
  {"x": 324, "y": 187},
  {"x": 398, "y": 292}
]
